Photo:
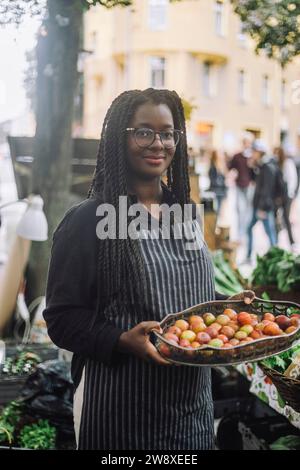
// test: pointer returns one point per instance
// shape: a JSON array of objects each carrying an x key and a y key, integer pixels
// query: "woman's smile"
[{"x": 155, "y": 160}]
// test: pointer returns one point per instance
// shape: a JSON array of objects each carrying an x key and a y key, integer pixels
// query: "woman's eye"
[
  {"x": 168, "y": 135},
  {"x": 144, "y": 133}
]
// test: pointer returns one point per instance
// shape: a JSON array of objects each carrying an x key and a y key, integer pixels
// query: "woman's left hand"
[{"x": 246, "y": 295}]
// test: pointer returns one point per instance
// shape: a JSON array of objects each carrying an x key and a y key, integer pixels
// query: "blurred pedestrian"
[
  {"x": 217, "y": 177},
  {"x": 288, "y": 170},
  {"x": 263, "y": 208},
  {"x": 244, "y": 187}
]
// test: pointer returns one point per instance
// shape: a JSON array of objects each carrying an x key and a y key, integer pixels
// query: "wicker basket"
[
  {"x": 206, "y": 355},
  {"x": 288, "y": 388}
]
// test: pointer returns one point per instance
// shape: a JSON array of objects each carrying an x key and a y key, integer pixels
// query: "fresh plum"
[
  {"x": 227, "y": 331},
  {"x": 174, "y": 330},
  {"x": 247, "y": 328},
  {"x": 269, "y": 316},
  {"x": 212, "y": 332},
  {"x": 184, "y": 343},
  {"x": 240, "y": 335},
  {"x": 244, "y": 318},
  {"x": 223, "y": 338},
  {"x": 197, "y": 327},
  {"x": 217, "y": 343},
  {"x": 283, "y": 322},
  {"x": 291, "y": 329},
  {"x": 209, "y": 318},
  {"x": 216, "y": 325},
  {"x": 171, "y": 337},
  {"x": 230, "y": 313},
  {"x": 189, "y": 335},
  {"x": 182, "y": 324},
  {"x": 203, "y": 338}
]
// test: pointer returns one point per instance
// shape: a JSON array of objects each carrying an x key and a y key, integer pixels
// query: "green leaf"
[
  {"x": 281, "y": 402},
  {"x": 286, "y": 443},
  {"x": 263, "y": 396}
]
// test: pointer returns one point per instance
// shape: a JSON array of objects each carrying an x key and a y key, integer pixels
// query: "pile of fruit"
[{"x": 227, "y": 330}]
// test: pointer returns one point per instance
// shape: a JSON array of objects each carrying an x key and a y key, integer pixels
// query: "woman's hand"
[
  {"x": 246, "y": 295},
  {"x": 137, "y": 341}
]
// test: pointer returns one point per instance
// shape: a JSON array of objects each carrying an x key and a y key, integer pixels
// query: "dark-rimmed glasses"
[{"x": 145, "y": 137}]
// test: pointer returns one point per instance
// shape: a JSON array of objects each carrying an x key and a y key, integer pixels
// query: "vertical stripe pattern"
[{"x": 136, "y": 405}]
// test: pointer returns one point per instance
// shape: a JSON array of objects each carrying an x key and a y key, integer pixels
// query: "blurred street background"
[{"x": 205, "y": 50}]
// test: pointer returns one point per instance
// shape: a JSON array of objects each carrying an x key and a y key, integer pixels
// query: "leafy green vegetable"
[
  {"x": 282, "y": 361},
  {"x": 12, "y": 412},
  {"x": 286, "y": 443},
  {"x": 9, "y": 418},
  {"x": 6, "y": 432},
  {"x": 39, "y": 435},
  {"x": 226, "y": 279},
  {"x": 22, "y": 363},
  {"x": 279, "y": 268}
]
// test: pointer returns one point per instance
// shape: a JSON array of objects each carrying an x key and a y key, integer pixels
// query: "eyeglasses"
[{"x": 145, "y": 137}]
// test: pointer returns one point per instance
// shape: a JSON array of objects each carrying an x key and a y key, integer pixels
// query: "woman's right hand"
[{"x": 137, "y": 341}]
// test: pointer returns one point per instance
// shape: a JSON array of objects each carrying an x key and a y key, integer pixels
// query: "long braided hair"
[{"x": 120, "y": 259}]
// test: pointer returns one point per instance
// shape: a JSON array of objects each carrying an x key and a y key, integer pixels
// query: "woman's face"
[{"x": 152, "y": 161}]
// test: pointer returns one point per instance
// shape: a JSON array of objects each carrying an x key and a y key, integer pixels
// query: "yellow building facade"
[{"x": 196, "y": 48}]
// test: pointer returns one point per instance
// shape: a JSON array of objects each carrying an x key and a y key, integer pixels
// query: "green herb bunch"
[
  {"x": 22, "y": 363},
  {"x": 9, "y": 419},
  {"x": 279, "y": 268},
  {"x": 282, "y": 361},
  {"x": 40, "y": 435}
]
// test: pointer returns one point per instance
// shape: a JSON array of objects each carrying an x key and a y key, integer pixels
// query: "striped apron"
[{"x": 136, "y": 405}]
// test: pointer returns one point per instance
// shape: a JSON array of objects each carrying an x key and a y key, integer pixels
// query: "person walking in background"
[
  {"x": 217, "y": 178},
  {"x": 244, "y": 187},
  {"x": 288, "y": 170},
  {"x": 297, "y": 163},
  {"x": 266, "y": 177}
]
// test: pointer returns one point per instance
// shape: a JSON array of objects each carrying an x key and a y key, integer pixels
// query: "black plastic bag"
[{"x": 48, "y": 394}]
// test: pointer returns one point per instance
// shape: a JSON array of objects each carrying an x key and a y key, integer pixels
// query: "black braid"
[{"x": 121, "y": 259}]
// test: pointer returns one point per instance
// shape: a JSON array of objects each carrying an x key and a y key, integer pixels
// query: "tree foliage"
[
  {"x": 273, "y": 24},
  {"x": 13, "y": 11}
]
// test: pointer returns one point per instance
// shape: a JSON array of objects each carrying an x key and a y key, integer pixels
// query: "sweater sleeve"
[{"x": 71, "y": 295}]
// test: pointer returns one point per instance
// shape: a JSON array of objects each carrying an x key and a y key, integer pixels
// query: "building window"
[
  {"x": 283, "y": 94},
  {"x": 157, "y": 72},
  {"x": 94, "y": 40},
  {"x": 266, "y": 90},
  {"x": 157, "y": 18},
  {"x": 207, "y": 78},
  {"x": 242, "y": 38},
  {"x": 210, "y": 79},
  {"x": 242, "y": 86},
  {"x": 219, "y": 17}
]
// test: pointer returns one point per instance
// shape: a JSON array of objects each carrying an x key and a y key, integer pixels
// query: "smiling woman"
[{"x": 105, "y": 296}]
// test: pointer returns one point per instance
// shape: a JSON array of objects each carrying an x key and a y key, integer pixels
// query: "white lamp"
[{"x": 33, "y": 225}]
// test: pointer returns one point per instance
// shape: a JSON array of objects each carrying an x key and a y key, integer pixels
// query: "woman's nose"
[{"x": 157, "y": 143}]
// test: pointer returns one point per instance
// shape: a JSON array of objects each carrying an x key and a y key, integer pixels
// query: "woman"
[
  {"x": 217, "y": 178},
  {"x": 104, "y": 296}
]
